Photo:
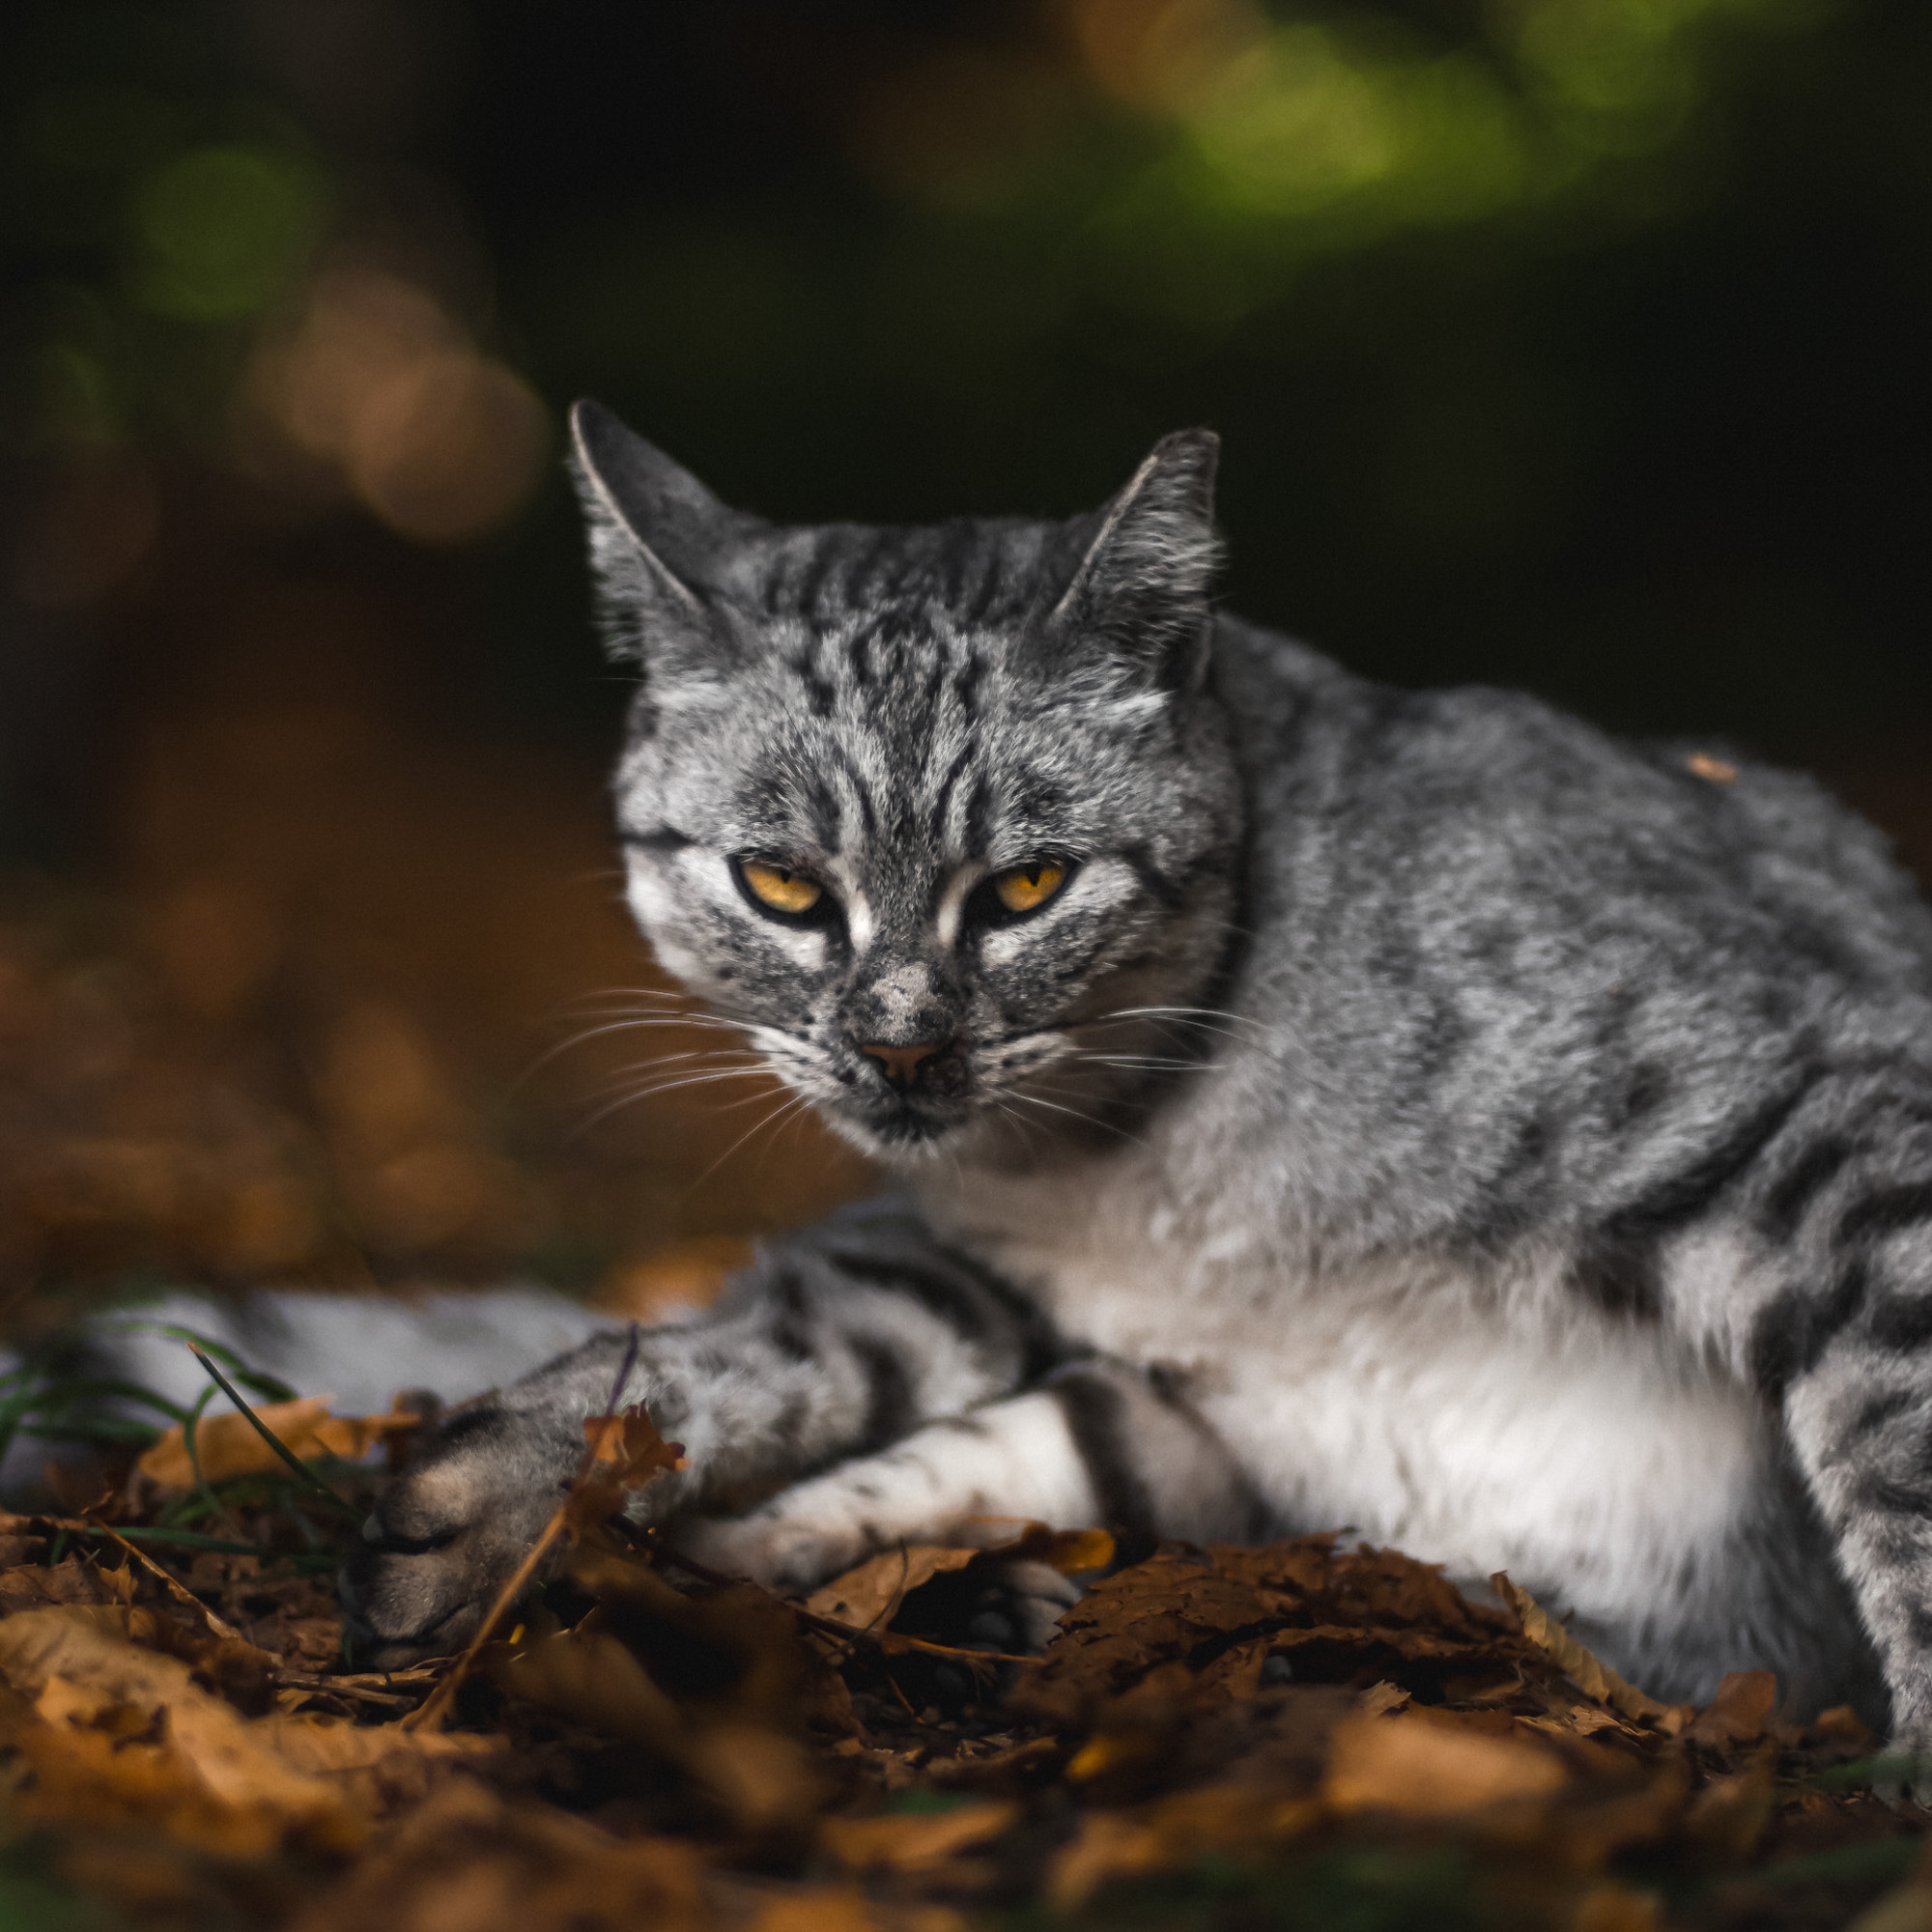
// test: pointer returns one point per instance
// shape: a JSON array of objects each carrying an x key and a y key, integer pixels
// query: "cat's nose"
[{"x": 901, "y": 1065}]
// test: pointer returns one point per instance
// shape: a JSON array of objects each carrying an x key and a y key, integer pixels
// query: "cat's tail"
[{"x": 358, "y": 1349}]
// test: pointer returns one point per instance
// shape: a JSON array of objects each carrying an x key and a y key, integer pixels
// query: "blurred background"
[{"x": 1574, "y": 344}]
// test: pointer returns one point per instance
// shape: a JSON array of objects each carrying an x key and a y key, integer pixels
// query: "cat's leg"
[
  {"x": 830, "y": 1345},
  {"x": 1829, "y": 1310},
  {"x": 1098, "y": 1442}
]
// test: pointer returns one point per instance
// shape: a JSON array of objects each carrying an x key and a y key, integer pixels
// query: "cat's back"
[
  {"x": 1490, "y": 819},
  {"x": 1514, "y": 965}
]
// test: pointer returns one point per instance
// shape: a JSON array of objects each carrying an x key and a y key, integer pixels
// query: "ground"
[{"x": 1310, "y": 1734}]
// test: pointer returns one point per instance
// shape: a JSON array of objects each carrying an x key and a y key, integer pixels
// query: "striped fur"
[{"x": 1416, "y": 1114}]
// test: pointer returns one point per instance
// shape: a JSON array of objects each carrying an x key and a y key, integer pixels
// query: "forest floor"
[{"x": 1310, "y": 1734}]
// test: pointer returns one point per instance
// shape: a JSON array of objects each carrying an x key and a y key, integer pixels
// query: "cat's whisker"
[
  {"x": 624, "y": 1079},
  {"x": 632, "y": 1099},
  {"x": 1075, "y": 1113},
  {"x": 792, "y": 1106},
  {"x": 1026, "y": 1128},
  {"x": 1144, "y": 1062}
]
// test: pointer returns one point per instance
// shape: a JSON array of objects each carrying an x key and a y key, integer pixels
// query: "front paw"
[
  {"x": 444, "y": 1538},
  {"x": 785, "y": 1552}
]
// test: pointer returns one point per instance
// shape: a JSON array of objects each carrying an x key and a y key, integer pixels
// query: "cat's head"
[{"x": 936, "y": 813}]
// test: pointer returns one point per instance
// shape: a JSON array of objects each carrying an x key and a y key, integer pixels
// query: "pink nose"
[{"x": 900, "y": 1063}]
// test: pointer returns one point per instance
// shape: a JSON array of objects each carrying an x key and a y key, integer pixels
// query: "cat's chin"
[
  {"x": 901, "y": 1134},
  {"x": 908, "y": 1137}
]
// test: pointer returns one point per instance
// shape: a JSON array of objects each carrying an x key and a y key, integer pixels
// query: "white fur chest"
[{"x": 1481, "y": 1424}]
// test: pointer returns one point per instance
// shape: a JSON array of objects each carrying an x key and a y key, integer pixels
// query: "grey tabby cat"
[{"x": 1319, "y": 1106}]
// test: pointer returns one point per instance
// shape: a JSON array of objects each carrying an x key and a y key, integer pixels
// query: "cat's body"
[{"x": 1322, "y": 1107}]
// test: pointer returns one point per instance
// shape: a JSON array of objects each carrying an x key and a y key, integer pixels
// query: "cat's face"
[{"x": 934, "y": 814}]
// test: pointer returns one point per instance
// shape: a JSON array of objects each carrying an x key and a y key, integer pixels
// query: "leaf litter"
[{"x": 1313, "y": 1733}]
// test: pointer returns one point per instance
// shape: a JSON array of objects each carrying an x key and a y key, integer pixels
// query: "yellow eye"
[
  {"x": 1021, "y": 888},
  {"x": 779, "y": 887}
]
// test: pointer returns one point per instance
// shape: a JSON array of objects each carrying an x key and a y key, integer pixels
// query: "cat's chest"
[{"x": 1485, "y": 1424}]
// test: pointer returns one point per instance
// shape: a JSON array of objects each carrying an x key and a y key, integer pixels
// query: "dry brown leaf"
[
  {"x": 72, "y": 1582},
  {"x": 1844, "y": 1724},
  {"x": 321, "y": 1747},
  {"x": 590, "y": 1677},
  {"x": 841, "y": 1909},
  {"x": 1615, "y": 1908},
  {"x": 758, "y": 1775},
  {"x": 228, "y": 1445},
  {"x": 1739, "y": 1711},
  {"x": 868, "y": 1596},
  {"x": 1170, "y": 1833},
  {"x": 209, "y": 1774},
  {"x": 1731, "y": 1815},
  {"x": 919, "y": 1842},
  {"x": 1422, "y": 1770},
  {"x": 466, "y": 1861},
  {"x": 1588, "y": 1672},
  {"x": 1379, "y": 1699},
  {"x": 622, "y": 1453}
]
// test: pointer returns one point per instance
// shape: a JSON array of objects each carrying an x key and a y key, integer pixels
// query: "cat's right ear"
[{"x": 657, "y": 539}]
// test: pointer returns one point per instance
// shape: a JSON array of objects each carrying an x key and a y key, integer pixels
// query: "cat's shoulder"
[{"x": 1480, "y": 789}]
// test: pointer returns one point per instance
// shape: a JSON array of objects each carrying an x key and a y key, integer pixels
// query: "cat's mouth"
[
  {"x": 898, "y": 1123},
  {"x": 899, "y": 1113}
]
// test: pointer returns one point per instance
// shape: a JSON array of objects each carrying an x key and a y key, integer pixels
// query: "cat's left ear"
[
  {"x": 1141, "y": 591},
  {"x": 661, "y": 549}
]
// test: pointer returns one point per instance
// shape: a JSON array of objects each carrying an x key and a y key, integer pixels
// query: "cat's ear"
[
  {"x": 1140, "y": 593},
  {"x": 659, "y": 542}
]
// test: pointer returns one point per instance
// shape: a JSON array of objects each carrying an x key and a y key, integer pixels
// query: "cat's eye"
[
  {"x": 1022, "y": 888},
  {"x": 780, "y": 888}
]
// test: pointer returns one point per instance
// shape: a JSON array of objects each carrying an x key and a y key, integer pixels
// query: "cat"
[{"x": 1313, "y": 1106}]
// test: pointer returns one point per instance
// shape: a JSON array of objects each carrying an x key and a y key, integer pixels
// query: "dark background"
[{"x": 1574, "y": 344}]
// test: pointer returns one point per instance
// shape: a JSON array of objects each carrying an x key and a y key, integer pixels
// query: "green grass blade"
[
  {"x": 270, "y": 1386},
  {"x": 307, "y": 1476},
  {"x": 189, "y": 1539},
  {"x": 94, "y": 1429}
]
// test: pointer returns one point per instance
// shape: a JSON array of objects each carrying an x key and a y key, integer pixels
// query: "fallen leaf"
[
  {"x": 1732, "y": 1815},
  {"x": 914, "y": 1843},
  {"x": 1379, "y": 1699},
  {"x": 229, "y": 1445},
  {"x": 841, "y": 1909},
  {"x": 208, "y": 1776},
  {"x": 1588, "y": 1672},
  {"x": 1739, "y": 1711},
  {"x": 1615, "y": 1908},
  {"x": 867, "y": 1597},
  {"x": 1170, "y": 1833},
  {"x": 590, "y": 1677},
  {"x": 467, "y": 1861},
  {"x": 623, "y": 1452},
  {"x": 72, "y": 1582},
  {"x": 1424, "y": 1769}
]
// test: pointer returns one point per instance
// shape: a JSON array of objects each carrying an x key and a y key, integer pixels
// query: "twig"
[
  {"x": 221, "y": 1626},
  {"x": 334, "y": 1687},
  {"x": 429, "y": 1716},
  {"x": 891, "y": 1642}
]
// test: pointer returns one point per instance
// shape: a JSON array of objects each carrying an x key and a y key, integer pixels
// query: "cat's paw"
[
  {"x": 776, "y": 1546},
  {"x": 1017, "y": 1606},
  {"x": 444, "y": 1538}
]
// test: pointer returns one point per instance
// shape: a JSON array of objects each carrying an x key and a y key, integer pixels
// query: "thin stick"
[
  {"x": 328, "y": 1686},
  {"x": 218, "y": 1624},
  {"x": 891, "y": 1642},
  {"x": 430, "y": 1715}
]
